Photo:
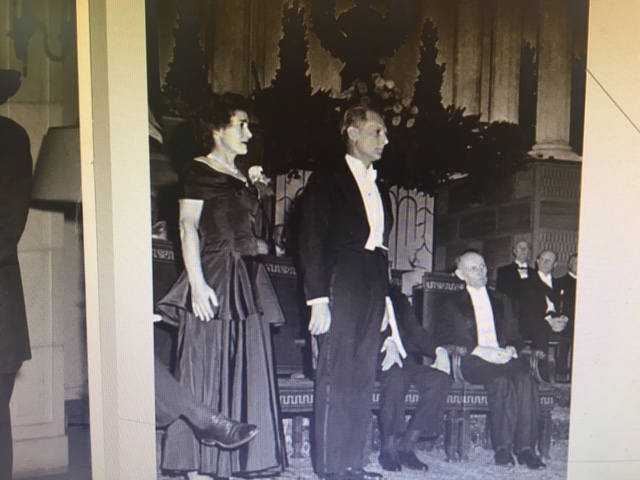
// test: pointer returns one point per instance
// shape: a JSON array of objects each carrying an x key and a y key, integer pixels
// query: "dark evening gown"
[{"x": 227, "y": 362}]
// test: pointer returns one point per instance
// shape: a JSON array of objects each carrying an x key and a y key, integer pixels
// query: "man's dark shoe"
[
  {"x": 226, "y": 433},
  {"x": 389, "y": 462},
  {"x": 530, "y": 459},
  {"x": 362, "y": 474},
  {"x": 408, "y": 458},
  {"x": 503, "y": 457}
]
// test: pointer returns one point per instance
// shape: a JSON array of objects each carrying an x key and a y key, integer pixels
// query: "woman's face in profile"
[{"x": 233, "y": 138}]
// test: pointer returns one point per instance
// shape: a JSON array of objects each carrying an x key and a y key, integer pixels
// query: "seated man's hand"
[
  {"x": 512, "y": 350},
  {"x": 320, "y": 318},
  {"x": 557, "y": 324},
  {"x": 494, "y": 355},
  {"x": 442, "y": 361},
  {"x": 263, "y": 247},
  {"x": 392, "y": 354}
]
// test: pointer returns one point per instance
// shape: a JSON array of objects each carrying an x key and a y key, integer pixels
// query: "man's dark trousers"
[
  {"x": 173, "y": 400},
  {"x": 347, "y": 360},
  {"x": 433, "y": 387},
  {"x": 513, "y": 400}
]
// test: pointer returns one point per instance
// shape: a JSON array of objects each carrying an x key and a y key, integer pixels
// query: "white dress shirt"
[
  {"x": 366, "y": 179},
  {"x": 485, "y": 322},
  {"x": 522, "y": 269},
  {"x": 546, "y": 278}
]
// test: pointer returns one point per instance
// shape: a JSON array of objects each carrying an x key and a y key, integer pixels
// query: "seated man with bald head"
[{"x": 482, "y": 321}]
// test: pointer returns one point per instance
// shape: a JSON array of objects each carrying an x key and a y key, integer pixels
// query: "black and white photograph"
[{"x": 317, "y": 239}]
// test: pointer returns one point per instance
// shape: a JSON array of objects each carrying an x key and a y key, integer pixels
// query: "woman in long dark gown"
[{"x": 224, "y": 304}]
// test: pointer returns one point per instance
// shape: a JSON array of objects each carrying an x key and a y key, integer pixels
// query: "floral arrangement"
[
  {"x": 260, "y": 181},
  {"x": 386, "y": 97}
]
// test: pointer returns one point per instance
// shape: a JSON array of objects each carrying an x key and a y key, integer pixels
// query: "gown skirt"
[{"x": 227, "y": 363}]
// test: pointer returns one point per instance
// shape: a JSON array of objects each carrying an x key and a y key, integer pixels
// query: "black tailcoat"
[
  {"x": 508, "y": 279},
  {"x": 532, "y": 310},
  {"x": 565, "y": 288}
]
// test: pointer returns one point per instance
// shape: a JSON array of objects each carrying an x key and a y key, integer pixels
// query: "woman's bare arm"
[{"x": 203, "y": 298}]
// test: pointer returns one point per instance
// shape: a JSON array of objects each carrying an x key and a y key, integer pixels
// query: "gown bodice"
[{"x": 229, "y": 211}]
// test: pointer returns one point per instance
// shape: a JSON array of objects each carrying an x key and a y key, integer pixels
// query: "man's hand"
[
  {"x": 512, "y": 351},
  {"x": 498, "y": 356},
  {"x": 320, "y": 318},
  {"x": 203, "y": 301},
  {"x": 557, "y": 324},
  {"x": 442, "y": 361},
  {"x": 263, "y": 247},
  {"x": 392, "y": 356}
]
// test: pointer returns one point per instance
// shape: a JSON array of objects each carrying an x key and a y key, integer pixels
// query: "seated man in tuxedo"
[
  {"x": 565, "y": 287},
  {"x": 432, "y": 381},
  {"x": 510, "y": 277},
  {"x": 539, "y": 304},
  {"x": 482, "y": 321}
]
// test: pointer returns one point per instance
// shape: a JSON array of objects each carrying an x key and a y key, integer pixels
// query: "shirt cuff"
[{"x": 315, "y": 301}]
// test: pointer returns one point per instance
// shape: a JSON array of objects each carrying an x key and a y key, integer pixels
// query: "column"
[
  {"x": 505, "y": 78},
  {"x": 468, "y": 55},
  {"x": 117, "y": 243},
  {"x": 554, "y": 82}
]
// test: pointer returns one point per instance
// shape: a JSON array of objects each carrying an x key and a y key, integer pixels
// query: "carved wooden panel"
[
  {"x": 559, "y": 181},
  {"x": 477, "y": 223},
  {"x": 556, "y": 215},
  {"x": 514, "y": 217},
  {"x": 523, "y": 184},
  {"x": 563, "y": 243}
]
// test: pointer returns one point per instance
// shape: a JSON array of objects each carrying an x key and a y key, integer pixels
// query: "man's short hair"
[
  {"x": 466, "y": 250},
  {"x": 352, "y": 116},
  {"x": 547, "y": 251}
]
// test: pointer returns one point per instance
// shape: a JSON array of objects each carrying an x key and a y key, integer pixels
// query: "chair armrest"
[
  {"x": 456, "y": 352},
  {"x": 534, "y": 357}
]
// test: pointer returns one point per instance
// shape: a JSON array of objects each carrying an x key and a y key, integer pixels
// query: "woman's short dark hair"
[{"x": 218, "y": 115}]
